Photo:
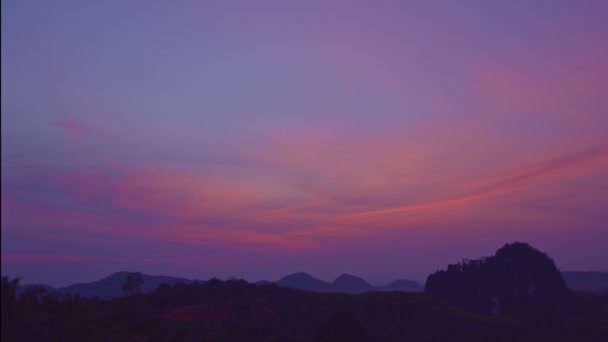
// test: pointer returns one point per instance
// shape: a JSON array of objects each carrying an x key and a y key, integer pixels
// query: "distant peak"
[
  {"x": 117, "y": 275},
  {"x": 303, "y": 281},
  {"x": 298, "y": 275},
  {"x": 348, "y": 277}
]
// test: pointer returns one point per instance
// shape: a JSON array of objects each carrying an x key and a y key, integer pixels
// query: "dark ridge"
[
  {"x": 304, "y": 281},
  {"x": 112, "y": 285},
  {"x": 351, "y": 284}
]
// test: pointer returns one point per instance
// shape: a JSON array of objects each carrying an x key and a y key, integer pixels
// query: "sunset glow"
[{"x": 209, "y": 138}]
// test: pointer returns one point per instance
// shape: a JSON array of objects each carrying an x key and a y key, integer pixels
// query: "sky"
[{"x": 256, "y": 139}]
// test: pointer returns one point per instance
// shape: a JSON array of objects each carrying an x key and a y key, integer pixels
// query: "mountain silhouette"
[
  {"x": 304, "y": 281},
  {"x": 518, "y": 281},
  {"x": 591, "y": 282},
  {"x": 112, "y": 285},
  {"x": 351, "y": 284},
  {"x": 346, "y": 283}
]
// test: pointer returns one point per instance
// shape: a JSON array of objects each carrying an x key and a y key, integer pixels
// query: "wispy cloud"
[
  {"x": 72, "y": 126},
  {"x": 536, "y": 173}
]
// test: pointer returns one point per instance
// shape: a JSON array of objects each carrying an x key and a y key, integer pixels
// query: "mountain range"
[
  {"x": 346, "y": 283},
  {"x": 112, "y": 286}
]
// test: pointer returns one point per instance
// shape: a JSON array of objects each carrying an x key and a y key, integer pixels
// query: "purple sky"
[{"x": 258, "y": 138}]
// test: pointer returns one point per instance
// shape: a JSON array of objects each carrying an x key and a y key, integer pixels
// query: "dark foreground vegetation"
[{"x": 532, "y": 305}]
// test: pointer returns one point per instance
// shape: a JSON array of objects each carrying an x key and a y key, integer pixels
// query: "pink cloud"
[
  {"x": 567, "y": 166},
  {"x": 569, "y": 90},
  {"x": 72, "y": 126},
  {"x": 310, "y": 182}
]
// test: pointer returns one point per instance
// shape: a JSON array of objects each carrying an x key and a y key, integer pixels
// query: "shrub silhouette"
[
  {"x": 342, "y": 326},
  {"x": 518, "y": 281}
]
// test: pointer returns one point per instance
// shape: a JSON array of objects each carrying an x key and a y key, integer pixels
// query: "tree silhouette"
[
  {"x": 133, "y": 283},
  {"x": 11, "y": 310}
]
